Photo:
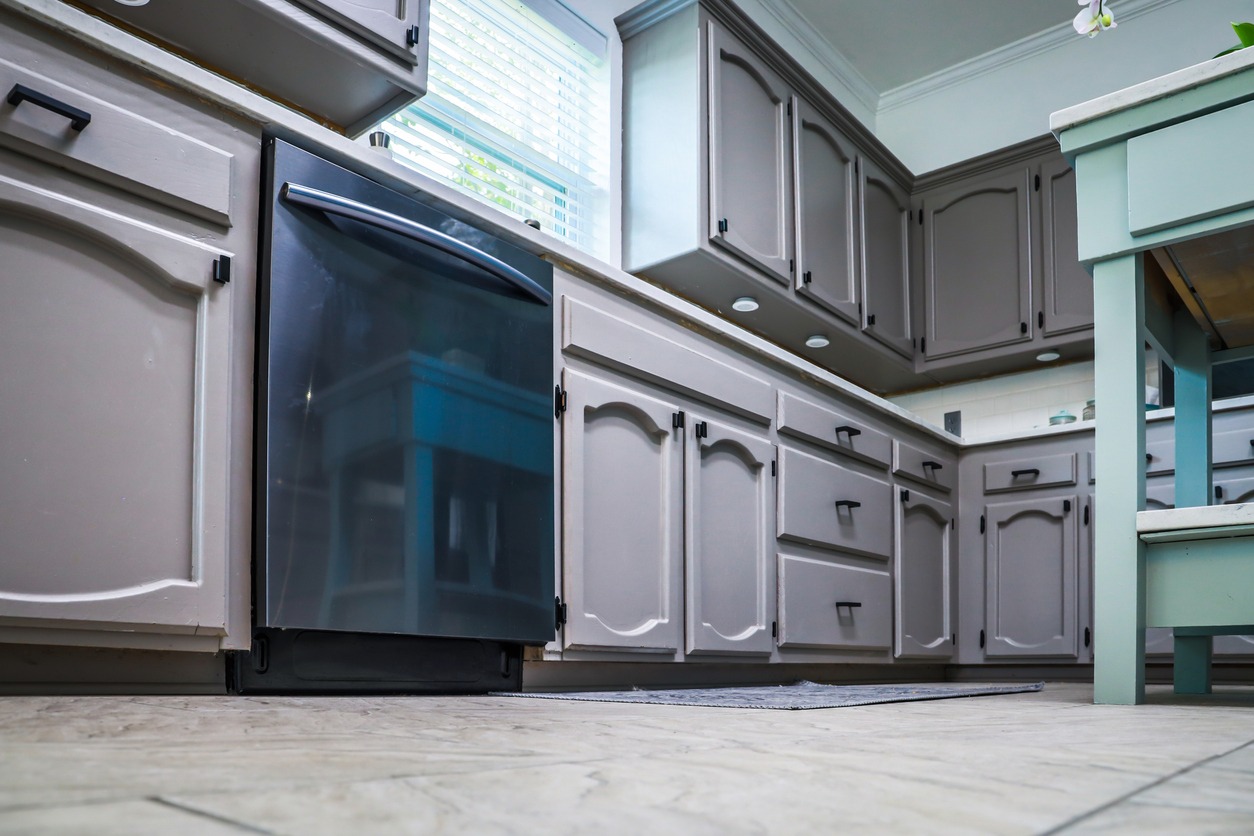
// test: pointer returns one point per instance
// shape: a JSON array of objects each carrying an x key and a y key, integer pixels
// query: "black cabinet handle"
[
  {"x": 806, "y": 277},
  {"x": 851, "y": 431},
  {"x": 933, "y": 465},
  {"x": 870, "y": 319},
  {"x": 1088, "y": 637},
  {"x": 79, "y": 119},
  {"x": 1023, "y": 327},
  {"x": 849, "y": 604},
  {"x": 848, "y": 503},
  {"x": 1029, "y": 471}
]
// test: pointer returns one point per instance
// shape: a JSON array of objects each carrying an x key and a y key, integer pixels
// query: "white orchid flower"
[{"x": 1096, "y": 17}]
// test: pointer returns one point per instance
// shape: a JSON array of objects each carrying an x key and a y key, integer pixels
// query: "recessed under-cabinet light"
[
  {"x": 132, "y": 2},
  {"x": 1048, "y": 356},
  {"x": 745, "y": 304},
  {"x": 817, "y": 341}
]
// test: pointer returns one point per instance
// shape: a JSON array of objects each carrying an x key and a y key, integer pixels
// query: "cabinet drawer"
[
  {"x": 116, "y": 146},
  {"x": 1233, "y": 446},
  {"x": 829, "y": 605},
  {"x": 833, "y": 429},
  {"x": 925, "y": 466},
  {"x": 824, "y": 504},
  {"x": 1160, "y": 456},
  {"x": 1036, "y": 472}
]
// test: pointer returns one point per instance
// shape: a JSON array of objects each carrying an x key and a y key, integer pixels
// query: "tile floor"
[{"x": 1024, "y": 763}]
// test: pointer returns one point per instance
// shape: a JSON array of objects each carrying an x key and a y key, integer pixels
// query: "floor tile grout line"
[
  {"x": 1146, "y": 788},
  {"x": 207, "y": 815}
]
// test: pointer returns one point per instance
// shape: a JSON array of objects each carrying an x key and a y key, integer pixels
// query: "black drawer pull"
[
  {"x": 1030, "y": 471},
  {"x": 849, "y": 604},
  {"x": 79, "y": 119},
  {"x": 852, "y": 431},
  {"x": 933, "y": 465},
  {"x": 848, "y": 503},
  {"x": 1149, "y": 457}
]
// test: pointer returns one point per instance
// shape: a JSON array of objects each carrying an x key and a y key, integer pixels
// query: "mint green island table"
[{"x": 1165, "y": 195}]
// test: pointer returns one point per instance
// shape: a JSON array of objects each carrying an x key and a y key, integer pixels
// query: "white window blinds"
[{"x": 516, "y": 114}]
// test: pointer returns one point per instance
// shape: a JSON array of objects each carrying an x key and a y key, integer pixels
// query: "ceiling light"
[
  {"x": 1048, "y": 356},
  {"x": 132, "y": 2},
  {"x": 745, "y": 304},
  {"x": 817, "y": 341}
]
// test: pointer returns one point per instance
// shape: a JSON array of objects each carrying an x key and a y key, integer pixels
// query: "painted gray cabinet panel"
[
  {"x": 885, "y": 244},
  {"x": 927, "y": 467},
  {"x": 925, "y": 591},
  {"x": 622, "y": 483},
  {"x": 977, "y": 264},
  {"x": 1031, "y": 576},
  {"x": 1232, "y": 446},
  {"x": 833, "y": 605},
  {"x": 826, "y": 185},
  {"x": 1066, "y": 287},
  {"x": 834, "y": 429},
  {"x": 825, "y": 504},
  {"x": 115, "y": 358},
  {"x": 1033, "y": 471},
  {"x": 751, "y": 205},
  {"x": 385, "y": 23},
  {"x": 1238, "y": 487},
  {"x": 728, "y": 529}
]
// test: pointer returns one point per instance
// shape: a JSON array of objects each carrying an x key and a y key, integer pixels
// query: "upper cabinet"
[
  {"x": 348, "y": 63},
  {"x": 1066, "y": 287},
  {"x": 885, "y": 226}
]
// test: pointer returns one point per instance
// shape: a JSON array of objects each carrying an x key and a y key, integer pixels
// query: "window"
[{"x": 516, "y": 114}]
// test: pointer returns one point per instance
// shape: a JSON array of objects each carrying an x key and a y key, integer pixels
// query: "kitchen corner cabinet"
[
  {"x": 120, "y": 353},
  {"x": 886, "y": 275},
  {"x": 347, "y": 62},
  {"x": 925, "y": 591},
  {"x": 658, "y": 499},
  {"x": 1066, "y": 286},
  {"x": 977, "y": 263}
]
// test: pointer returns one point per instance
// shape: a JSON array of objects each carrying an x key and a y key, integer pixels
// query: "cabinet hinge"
[
  {"x": 559, "y": 613},
  {"x": 923, "y": 345},
  {"x": 1023, "y": 327},
  {"x": 775, "y": 629},
  {"x": 905, "y": 496},
  {"x": 1066, "y": 506},
  {"x": 953, "y": 523},
  {"x": 701, "y": 429},
  {"x": 1040, "y": 319},
  {"x": 1036, "y": 183},
  {"x": 559, "y": 401},
  {"x": 982, "y": 523},
  {"x": 806, "y": 277},
  {"x": 1086, "y": 514},
  {"x": 981, "y": 640},
  {"x": 222, "y": 269},
  {"x": 772, "y": 468},
  {"x": 722, "y": 225},
  {"x": 792, "y": 266},
  {"x": 677, "y": 420},
  {"x": 412, "y": 36},
  {"x": 870, "y": 319}
]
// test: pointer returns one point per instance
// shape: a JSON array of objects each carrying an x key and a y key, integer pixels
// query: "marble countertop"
[{"x": 1152, "y": 90}]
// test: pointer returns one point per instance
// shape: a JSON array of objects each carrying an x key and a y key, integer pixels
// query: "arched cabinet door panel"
[
  {"x": 114, "y": 397},
  {"x": 924, "y": 588},
  {"x": 750, "y": 157},
  {"x": 622, "y": 469},
  {"x": 728, "y": 528},
  {"x": 885, "y": 269}
]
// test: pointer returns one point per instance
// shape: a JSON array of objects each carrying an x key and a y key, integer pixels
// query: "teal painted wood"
[
  {"x": 1199, "y": 583},
  {"x": 1191, "y": 671},
  {"x": 1216, "y": 533},
  {"x": 1193, "y": 412},
  {"x": 1119, "y": 558},
  {"x": 1197, "y": 184}
]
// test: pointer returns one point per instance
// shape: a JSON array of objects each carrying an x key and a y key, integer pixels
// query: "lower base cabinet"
[
  {"x": 830, "y": 605},
  {"x": 924, "y": 565}
]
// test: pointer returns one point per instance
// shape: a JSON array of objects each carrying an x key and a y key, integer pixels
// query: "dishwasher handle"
[{"x": 518, "y": 283}]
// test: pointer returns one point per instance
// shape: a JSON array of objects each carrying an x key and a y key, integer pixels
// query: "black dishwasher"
[{"x": 404, "y": 532}]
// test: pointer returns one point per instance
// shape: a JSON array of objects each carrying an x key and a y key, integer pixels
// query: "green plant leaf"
[
  {"x": 1229, "y": 50},
  {"x": 1245, "y": 31}
]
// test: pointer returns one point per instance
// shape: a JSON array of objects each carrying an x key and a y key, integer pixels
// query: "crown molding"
[
  {"x": 994, "y": 60},
  {"x": 796, "y": 24}
]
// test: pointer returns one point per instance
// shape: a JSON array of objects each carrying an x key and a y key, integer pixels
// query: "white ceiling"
[{"x": 894, "y": 42}]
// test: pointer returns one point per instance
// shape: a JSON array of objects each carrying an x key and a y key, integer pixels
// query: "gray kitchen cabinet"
[
  {"x": 346, "y": 62},
  {"x": 825, "y": 504},
  {"x": 120, "y": 353},
  {"x": 834, "y": 428},
  {"x": 728, "y": 533},
  {"x": 751, "y": 206},
  {"x": 828, "y": 233},
  {"x": 1031, "y": 576},
  {"x": 833, "y": 605},
  {"x": 622, "y": 494},
  {"x": 977, "y": 263},
  {"x": 885, "y": 268},
  {"x": 924, "y": 583},
  {"x": 1066, "y": 287}
]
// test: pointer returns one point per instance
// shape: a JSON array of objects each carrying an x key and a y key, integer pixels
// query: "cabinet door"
[
  {"x": 977, "y": 267},
  {"x": 885, "y": 227},
  {"x": 1066, "y": 287},
  {"x": 114, "y": 398},
  {"x": 924, "y": 588},
  {"x": 750, "y": 157},
  {"x": 1030, "y": 575},
  {"x": 622, "y": 488},
  {"x": 385, "y": 23},
  {"x": 825, "y": 185},
  {"x": 728, "y": 532}
]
